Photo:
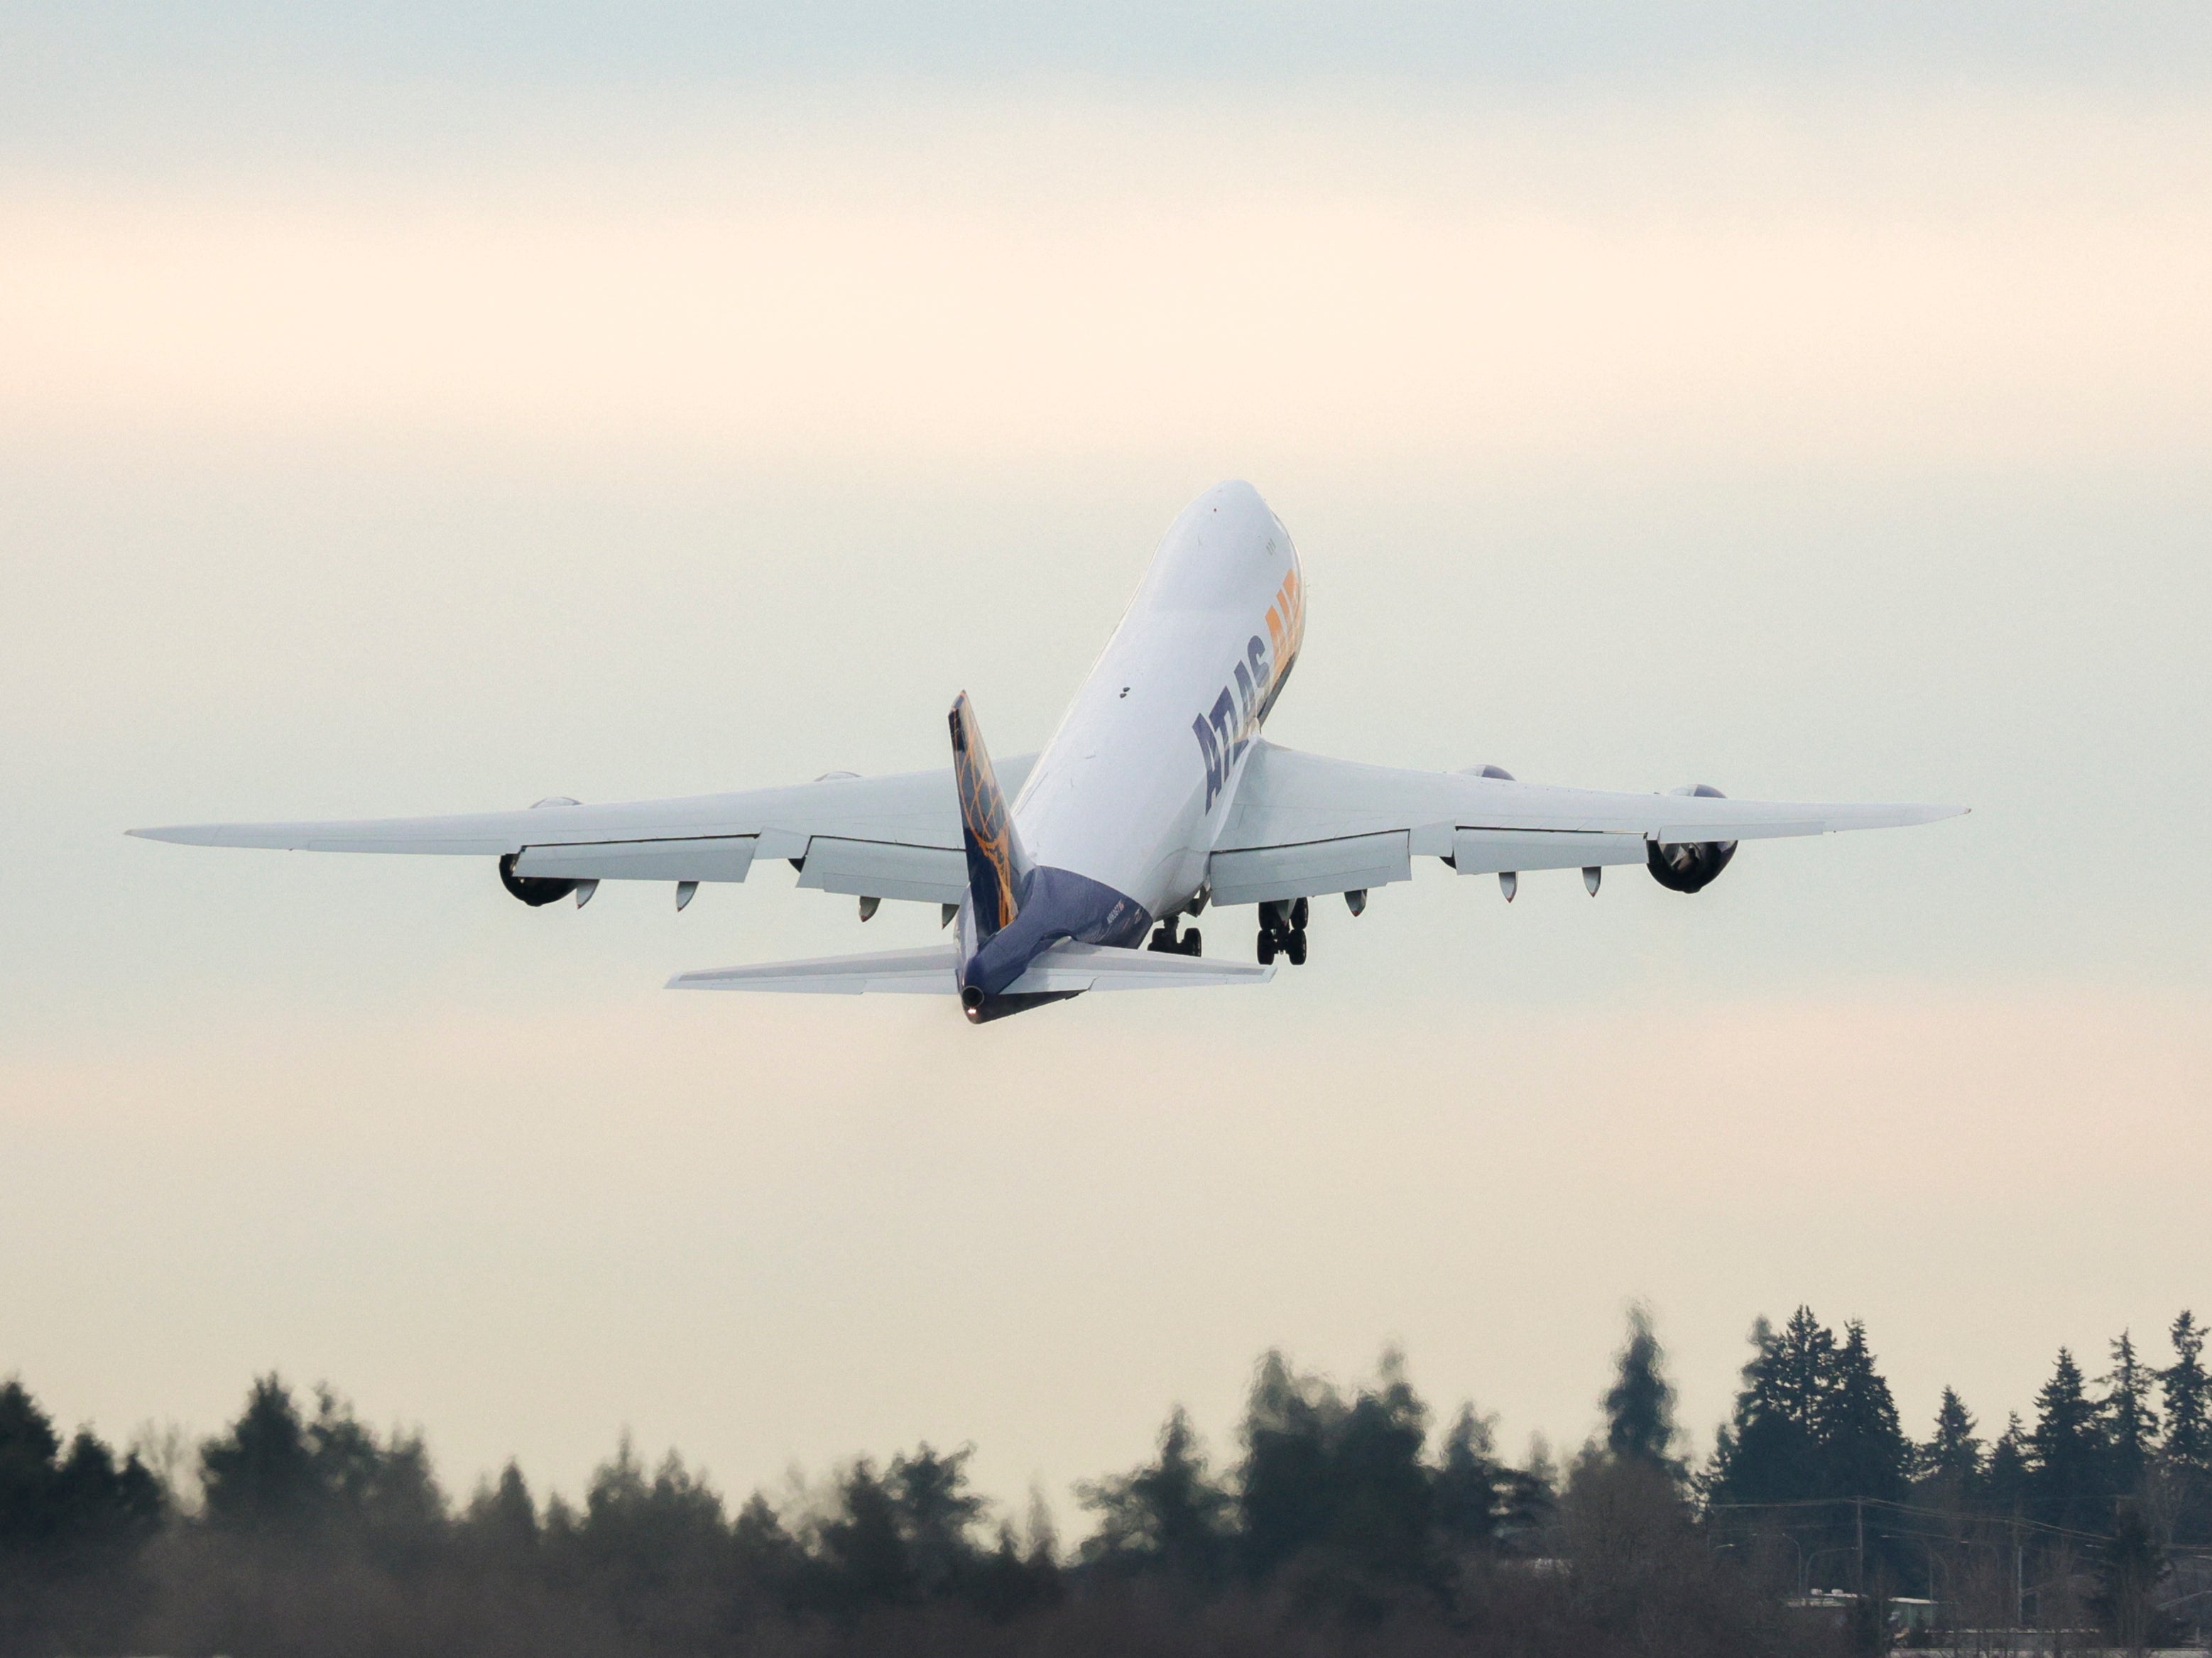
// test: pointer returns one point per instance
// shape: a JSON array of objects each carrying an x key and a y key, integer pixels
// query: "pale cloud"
[
  {"x": 773, "y": 1230},
  {"x": 1488, "y": 295}
]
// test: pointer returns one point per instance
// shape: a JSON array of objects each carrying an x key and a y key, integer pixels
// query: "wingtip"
[{"x": 185, "y": 835}]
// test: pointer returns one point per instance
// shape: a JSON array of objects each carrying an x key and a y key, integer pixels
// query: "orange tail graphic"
[{"x": 996, "y": 863}]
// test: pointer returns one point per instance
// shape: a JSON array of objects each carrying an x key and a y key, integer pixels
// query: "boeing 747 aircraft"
[{"x": 1156, "y": 798}]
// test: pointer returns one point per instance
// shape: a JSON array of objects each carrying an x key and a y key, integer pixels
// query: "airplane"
[{"x": 1072, "y": 870}]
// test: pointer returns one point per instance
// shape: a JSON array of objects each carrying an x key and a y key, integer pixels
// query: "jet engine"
[
  {"x": 1689, "y": 866},
  {"x": 533, "y": 889}
]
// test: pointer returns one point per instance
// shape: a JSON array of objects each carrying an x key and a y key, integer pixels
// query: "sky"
[{"x": 413, "y": 409}]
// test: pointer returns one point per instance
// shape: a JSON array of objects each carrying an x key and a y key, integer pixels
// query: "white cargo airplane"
[{"x": 1155, "y": 797}]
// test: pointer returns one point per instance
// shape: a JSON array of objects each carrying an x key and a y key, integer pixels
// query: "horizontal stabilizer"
[
  {"x": 931, "y": 972},
  {"x": 1066, "y": 968}
]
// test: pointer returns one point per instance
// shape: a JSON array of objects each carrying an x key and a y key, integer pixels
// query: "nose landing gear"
[{"x": 1283, "y": 931}]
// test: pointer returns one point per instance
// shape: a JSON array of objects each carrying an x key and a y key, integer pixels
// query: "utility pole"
[{"x": 1858, "y": 1524}]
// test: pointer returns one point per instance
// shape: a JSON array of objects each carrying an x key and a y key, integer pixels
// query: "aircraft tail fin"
[{"x": 997, "y": 868}]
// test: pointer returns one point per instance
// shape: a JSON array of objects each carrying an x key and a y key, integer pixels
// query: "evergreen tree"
[
  {"x": 2130, "y": 1423},
  {"x": 1951, "y": 1461},
  {"x": 1382, "y": 1501},
  {"x": 862, "y": 1546},
  {"x": 2187, "y": 1454},
  {"x": 28, "y": 1448},
  {"x": 1468, "y": 1482},
  {"x": 1010, "y": 1581},
  {"x": 72, "y": 1522},
  {"x": 1283, "y": 1488},
  {"x": 104, "y": 1510},
  {"x": 767, "y": 1554},
  {"x": 2188, "y": 1392},
  {"x": 936, "y": 1511},
  {"x": 261, "y": 1476},
  {"x": 1528, "y": 1498},
  {"x": 1343, "y": 1478},
  {"x": 1639, "y": 1406},
  {"x": 2128, "y": 1574},
  {"x": 2070, "y": 1483},
  {"x": 2006, "y": 1482},
  {"x": 1863, "y": 1448},
  {"x": 66, "y": 1510},
  {"x": 1770, "y": 1450},
  {"x": 1803, "y": 1373},
  {"x": 1169, "y": 1515},
  {"x": 654, "y": 1547},
  {"x": 325, "y": 1478},
  {"x": 500, "y": 1521}
]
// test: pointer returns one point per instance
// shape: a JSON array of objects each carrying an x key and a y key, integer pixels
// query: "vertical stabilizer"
[{"x": 997, "y": 867}]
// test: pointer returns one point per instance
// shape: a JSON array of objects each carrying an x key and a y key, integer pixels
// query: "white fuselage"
[{"x": 1135, "y": 785}]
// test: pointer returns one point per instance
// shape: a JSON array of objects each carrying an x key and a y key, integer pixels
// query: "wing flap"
[
  {"x": 1487, "y": 851},
  {"x": 1352, "y": 864},
  {"x": 718, "y": 858},
  {"x": 875, "y": 869}
]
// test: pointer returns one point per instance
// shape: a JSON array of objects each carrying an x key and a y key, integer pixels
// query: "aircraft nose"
[{"x": 1233, "y": 495}]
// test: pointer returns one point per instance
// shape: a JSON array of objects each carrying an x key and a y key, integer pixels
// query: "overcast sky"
[{"x": 423, "y": 408}]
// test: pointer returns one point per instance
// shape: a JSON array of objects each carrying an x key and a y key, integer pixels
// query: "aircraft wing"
[
  {"x": 1066, "y": 968},
  {"x": 1301, "y": 825},
  {"x": 896, "y": 837}
]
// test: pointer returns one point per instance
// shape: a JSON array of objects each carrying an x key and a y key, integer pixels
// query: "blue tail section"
[{"x": 998, "y": 868}]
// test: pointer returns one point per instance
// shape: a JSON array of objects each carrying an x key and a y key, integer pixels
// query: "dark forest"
[{"x": 1343, "y": 1520}]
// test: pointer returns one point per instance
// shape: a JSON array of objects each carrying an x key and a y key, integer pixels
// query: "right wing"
[
  {"x": 1303, "y": 824},
  {"x": 896, "y": 836}
]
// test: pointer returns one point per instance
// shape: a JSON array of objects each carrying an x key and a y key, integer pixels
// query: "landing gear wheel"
[
  {"x": 1192, "y": 943},
  {"x": 1298, "y": 916},
  {"x": 1164, "y": 939},
  {"x": 1266, "y": 948},
  {"x": 1295, "y": 946}
]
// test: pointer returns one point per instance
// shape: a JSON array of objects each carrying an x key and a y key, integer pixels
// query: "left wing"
[
  {"x": 1303, "y": 825},
  {"x": 896, "y": 837}
]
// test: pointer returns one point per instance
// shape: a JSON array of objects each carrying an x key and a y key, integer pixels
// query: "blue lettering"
[
  {"x": 1215, "y": 773},
  {"x": 1224, "y": 716}
]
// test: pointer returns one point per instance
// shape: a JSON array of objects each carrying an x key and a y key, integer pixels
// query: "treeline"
[
  {"x": 1345, "y": 1522},
  {"x": 1347, "y": 1519},
  {"x": 2079, "y": 1518},
  {"x": 1816, "y": 1419}
]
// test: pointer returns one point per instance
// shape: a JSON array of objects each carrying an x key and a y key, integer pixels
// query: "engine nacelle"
[
  {"x": 533, "y": 889},
  {"x": 1690, "y": 865}
]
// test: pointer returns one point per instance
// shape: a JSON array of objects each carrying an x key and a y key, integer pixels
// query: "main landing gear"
[
  {"x": 1164, "y": 939},
  {"x": 1283, "y": 930}
]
